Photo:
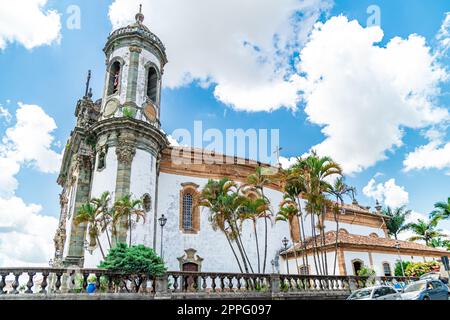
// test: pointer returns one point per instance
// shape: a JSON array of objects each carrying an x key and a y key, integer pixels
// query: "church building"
[{"x": 118, "y": 146}]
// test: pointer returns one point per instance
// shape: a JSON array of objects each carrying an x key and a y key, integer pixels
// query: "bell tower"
[
  {"x": 116, "y": 147},
  {"x": 135, "y": 60}
]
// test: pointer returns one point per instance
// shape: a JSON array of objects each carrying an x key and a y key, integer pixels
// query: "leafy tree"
[
  {"x": 396, "y": 223},
  {"x": 254, "y": 209},
  {"x": 90, "y": 215},
  {"x": 442, "y": 209},
  {"x": 417, "y": 269},
  {"x": 398, "y": 272},
  {"x": 128, "y": 211},
  {"x": 138, "y": 260},
  {"x": 259, "y": 180},
  {"x": 426, "y": 231},
  {"x": 339, "y": 189}
]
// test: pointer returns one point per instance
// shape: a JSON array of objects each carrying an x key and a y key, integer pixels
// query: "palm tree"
[
  {"x": 287, "y": 213},
  {"x": 293, "y": 185},
  {"x": 442, "y": 209},
  {"x": 426, "y": 231},
  {"x": 339, "y": 189},
  {"x": 316, "y": 171},
  {"x": 125, "y": 209},
  {"x": 254, "y": 209},
  {"x": 89, "y": 214},
  {"x": 440, "y": 243},
  {"x": 102, "y": 206},
  {"x": 259, "y": 180},
  {"x": 396, "y": 223},
  {"x": 225, "y": 204}
]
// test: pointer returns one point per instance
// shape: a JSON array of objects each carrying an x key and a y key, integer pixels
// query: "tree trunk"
[
  {"x": 101, "y": 249},
  {"x": 265, "y": 236},
  {"x": 257, "y": 245},
  {"x": 234, "y": 252},
  {"x": 302, "y": 236}
]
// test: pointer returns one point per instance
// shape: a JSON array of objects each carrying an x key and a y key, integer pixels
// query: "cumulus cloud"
[
  {"x": 388, "y": 192},
  {"x": 434, "y": 155},
  {"x": 4, "y": 114},
  {"x": 242, "y": 49},
  {"x": 25, "y": 234},
  {"x": 286, "y": 163},
  {"x": 363, "y": 94},
  {"x": 29, "y": 23}
]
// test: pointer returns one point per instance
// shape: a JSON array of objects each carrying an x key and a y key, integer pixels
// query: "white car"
[{"x": 376, "y": 293}]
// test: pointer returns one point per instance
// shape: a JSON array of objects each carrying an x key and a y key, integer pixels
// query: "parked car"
[
  {"x": 434, "y": 276},
  {"x": 427, "y": 289},
  {"x": 376, "y": 293}
]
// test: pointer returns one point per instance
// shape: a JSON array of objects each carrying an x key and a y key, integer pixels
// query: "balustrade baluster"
[
  {"x": 97, "y": 281},
  {"x": 16, "y": 284},
  {"x": 85, "y": 283},
  {"x": 175, "y": 283},
  {"x": 204, "y": 285},
  {"x": 213, "y": 283},
  {"x": 58, "y": 281},
  {"x": 3, "y": 282},
  {"x": 230, "y": 283},
  {"x": 222, "y": 284},
  {"x": 44, "y": 282},
  {"x": 30, "y": 283}
]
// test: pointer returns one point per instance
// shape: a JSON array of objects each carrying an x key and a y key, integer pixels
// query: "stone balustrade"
[{"x": 75, "y": 281}]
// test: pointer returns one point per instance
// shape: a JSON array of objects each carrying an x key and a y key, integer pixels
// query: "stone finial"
[
  {"x": 378, "y": 206},
  {"x": 139, "y": 16}
]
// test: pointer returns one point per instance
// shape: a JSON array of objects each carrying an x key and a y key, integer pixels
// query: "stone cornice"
[{"x": 153, "y": 136}]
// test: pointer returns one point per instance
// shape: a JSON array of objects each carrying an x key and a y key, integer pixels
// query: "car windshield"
[
  {"x": 361, "y": 294},
  {"x": 417, "y": 286}
]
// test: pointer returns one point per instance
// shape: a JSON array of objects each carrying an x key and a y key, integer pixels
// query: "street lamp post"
[
  {"x": 397, "y": 245},
  {"x": 285, "y": 242},
  {"x": 162, "y": 223}
]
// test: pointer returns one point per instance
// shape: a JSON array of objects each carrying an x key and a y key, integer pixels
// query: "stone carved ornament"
[{"x": 125, "y": 151}]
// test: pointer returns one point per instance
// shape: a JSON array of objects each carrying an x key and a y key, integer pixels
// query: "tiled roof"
[{"x": 346, "y": 238}]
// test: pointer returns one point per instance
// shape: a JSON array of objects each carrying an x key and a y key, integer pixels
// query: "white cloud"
[
  {"x": 25, "y": 234},
  {"x": 434, "y": 155},
  {"x": 30, "y": 140},
  {"x": 389, "y": 193},
  {"x": 443, "y": 35},
  {"x": 29, "y": 23},
  {"x": 240, "y": 48},
  {"x": 4, "y": 114},
  {"x": 287, "y": 162},
  {"x": 363, "y": 94}
]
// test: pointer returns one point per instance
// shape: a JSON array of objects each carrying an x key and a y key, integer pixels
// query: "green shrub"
[
  {"x": 417, "y": 269},
  {"x": 366, "y": 272},
  {"x": 398, "y": 268},
  {"x": 134, "y": 260},
  {"x": 128, "y": 112}
]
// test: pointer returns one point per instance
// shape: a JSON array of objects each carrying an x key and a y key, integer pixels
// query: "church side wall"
[
  {"x": 143, "y": 181},
  {"x": 211, "y": 245}
]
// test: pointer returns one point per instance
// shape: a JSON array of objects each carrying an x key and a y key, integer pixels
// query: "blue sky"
[{"x": 52, "y": 76}]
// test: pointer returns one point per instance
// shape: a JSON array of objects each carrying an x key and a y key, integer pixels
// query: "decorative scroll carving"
[
  {"x": 125, "y": 151},
  {"x": 135, "y": 49}
]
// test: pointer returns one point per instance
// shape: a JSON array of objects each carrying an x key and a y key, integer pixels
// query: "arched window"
[
  {"x": 101, "y": 161},
  {"x": 387, "y": 269},
  {"x": 357, "y": 265},
  {"x": 114, "y": 78},
  {"x": 152, "y": 84},
  {"x": 147, "y": 203},
  {"x": 189, "y": 213}
]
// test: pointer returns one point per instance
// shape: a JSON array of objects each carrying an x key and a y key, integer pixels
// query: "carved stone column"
[
  {"x": 75, "y": 254},
  {"x": 125, "y": 151}
]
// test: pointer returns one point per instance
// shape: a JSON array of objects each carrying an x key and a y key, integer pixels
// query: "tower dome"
[{"x": 135, "y": 60}]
